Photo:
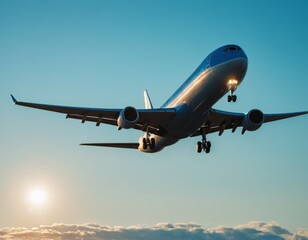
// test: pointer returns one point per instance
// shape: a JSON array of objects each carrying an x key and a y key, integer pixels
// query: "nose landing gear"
[
  {"x": 232, "y": 97},
  {"x": 232, "y": 83}
]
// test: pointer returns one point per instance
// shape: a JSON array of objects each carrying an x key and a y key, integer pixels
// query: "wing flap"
[
  {"x": 218, "y": 121},
  {"x": 98, "y": 120}
]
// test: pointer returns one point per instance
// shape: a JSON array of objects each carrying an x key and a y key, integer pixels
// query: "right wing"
[
  {"x": 153, "y": 119},
  {"x": 218, "y": 121}
]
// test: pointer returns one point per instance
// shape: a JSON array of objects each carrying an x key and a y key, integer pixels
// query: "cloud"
[{"x": 162, "y": 231}]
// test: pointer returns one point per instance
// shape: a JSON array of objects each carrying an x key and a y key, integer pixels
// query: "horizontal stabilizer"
[{"x": 115, "y": 145}]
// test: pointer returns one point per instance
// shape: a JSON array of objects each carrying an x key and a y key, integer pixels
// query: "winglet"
[{"x": 14, "y": 99}]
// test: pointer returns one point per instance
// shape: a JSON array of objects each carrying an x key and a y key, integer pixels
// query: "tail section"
[{"x": 147, "y": 100}]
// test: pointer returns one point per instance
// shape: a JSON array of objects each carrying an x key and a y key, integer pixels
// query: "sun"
[{"x": 38, "y": 197}]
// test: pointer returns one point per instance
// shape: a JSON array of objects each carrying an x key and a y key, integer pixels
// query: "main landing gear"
[
  {"x": 148, "y": 141},
  {"x": 203, "y": 144}
]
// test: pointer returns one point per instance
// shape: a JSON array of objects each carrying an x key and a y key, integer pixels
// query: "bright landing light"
[
  {"x": 232, "y": 82},
  {"x": 37, "y": 197}
]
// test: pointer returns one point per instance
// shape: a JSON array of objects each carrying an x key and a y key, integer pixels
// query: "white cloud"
[{"x": 162, "y": 231}]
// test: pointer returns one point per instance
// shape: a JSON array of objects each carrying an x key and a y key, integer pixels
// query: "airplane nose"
[{"x": 228, "y": 53}]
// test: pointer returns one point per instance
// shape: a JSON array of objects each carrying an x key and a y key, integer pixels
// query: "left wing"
[
  {"x": 218, "y": 121},
  {"x": 153, "y": 119}
]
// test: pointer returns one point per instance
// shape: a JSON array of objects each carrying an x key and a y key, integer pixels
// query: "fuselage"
[{"x": 196, "y": 96}]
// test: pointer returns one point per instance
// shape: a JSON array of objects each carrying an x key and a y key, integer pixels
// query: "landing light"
[{"x": 232, "y": 82}]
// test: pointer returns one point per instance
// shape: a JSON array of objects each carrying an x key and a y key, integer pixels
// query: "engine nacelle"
[
  {"x": 128, "y": 118},
  {"x": 253, "y": 120}
]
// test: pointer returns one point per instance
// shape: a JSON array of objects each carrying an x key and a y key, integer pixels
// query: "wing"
[
  {"x": 154, "y": 119},
  {"x": 218, "y": 121}
]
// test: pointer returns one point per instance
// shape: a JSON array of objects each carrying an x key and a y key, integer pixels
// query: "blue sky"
[{"x": 104, "y": 54}]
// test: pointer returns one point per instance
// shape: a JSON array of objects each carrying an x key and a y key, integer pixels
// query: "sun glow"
[{"x": 38, "y": 197}]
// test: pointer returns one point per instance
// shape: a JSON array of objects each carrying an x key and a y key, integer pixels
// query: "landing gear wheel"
[
  {"x": 152, "y": 143},
  {"x": 144, "y": 143},
  {"x": 232, "y": 98},
  {"x": 208, "y": 147},
  {"x": 199, "y": 147},
  {"x": 205, "y": 145}
]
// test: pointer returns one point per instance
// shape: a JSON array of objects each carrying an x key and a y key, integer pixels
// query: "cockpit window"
[{"x": 232, "y": 48}]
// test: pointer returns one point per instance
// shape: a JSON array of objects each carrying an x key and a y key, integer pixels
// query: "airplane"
[{"x": 188, "y": 112}]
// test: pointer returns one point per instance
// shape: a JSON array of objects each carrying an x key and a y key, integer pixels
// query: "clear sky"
[{"x": 104, "y": 54}]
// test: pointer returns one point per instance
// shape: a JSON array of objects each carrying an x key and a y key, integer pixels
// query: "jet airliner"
[{"x": 188, "y": 112}]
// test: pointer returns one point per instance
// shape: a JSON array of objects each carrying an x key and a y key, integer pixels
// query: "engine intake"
[
  {"x": 253, "y": 120},
  {"x": 128, "y": 117}
]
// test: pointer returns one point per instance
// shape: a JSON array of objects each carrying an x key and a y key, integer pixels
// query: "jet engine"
[
  {"x": 128, "y": 118},
  {"x": 253, "y": 120}
]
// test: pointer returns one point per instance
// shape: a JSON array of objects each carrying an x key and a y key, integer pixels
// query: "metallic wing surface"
[
  {"x": 218, "y": 121},
  {"x": 153, "y": 119}
]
